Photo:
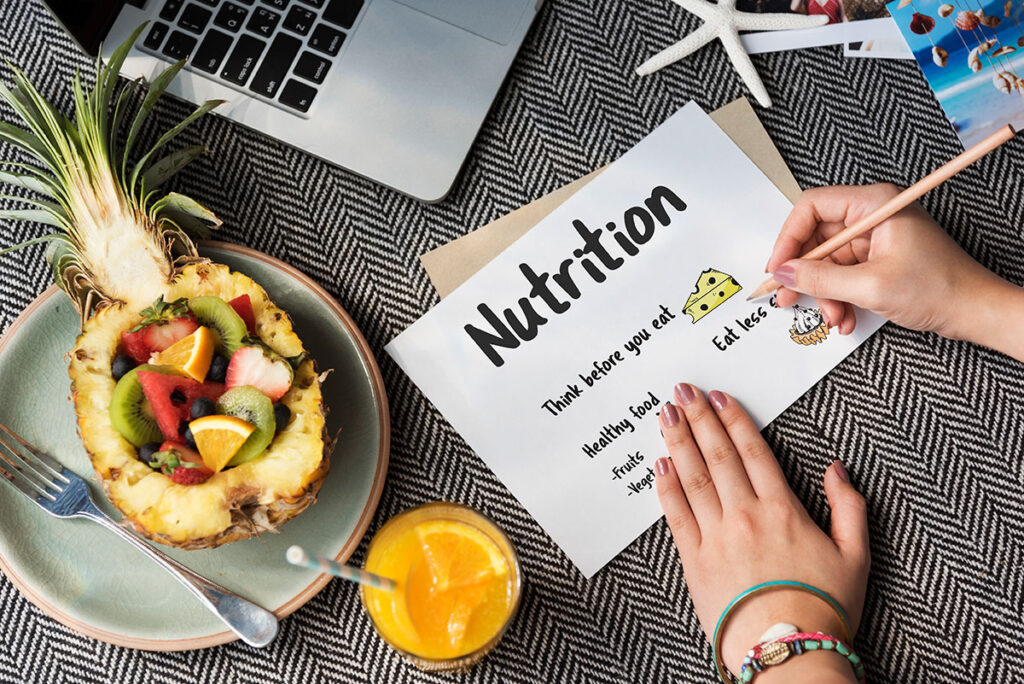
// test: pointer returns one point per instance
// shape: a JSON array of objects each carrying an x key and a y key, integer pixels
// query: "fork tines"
[{"x": 34, "y": 473}]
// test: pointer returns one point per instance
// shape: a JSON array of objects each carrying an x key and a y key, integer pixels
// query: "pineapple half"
[{"x": 119, "y": 245}]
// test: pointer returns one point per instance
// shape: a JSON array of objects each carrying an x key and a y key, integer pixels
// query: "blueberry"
[
  {"x": 147, "y": 450},
  {"x": 190, "y": 439},
  {"x": 201, "y": 407},
  {"x": 282, "y": 414},
  {"x": 218, "y": 369},
  {"x": 122, "y": 364}
]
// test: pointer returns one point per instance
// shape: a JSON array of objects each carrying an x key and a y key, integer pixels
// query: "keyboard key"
[
  {"x": 298, "y": 95},
  {"x": 179, "y": 45},
  {"x": 211, "y": 3},
  {"x": 299, "y": 20},
  {"x": 211, "y": 51},
  {"x": 156, "y": 35},
  {"x": 195, "y": 18},
  {"x": 312, "y": 67},
  {"x": 342, "y": 12},
  {"x": 231, "y": 17},
  {"x": 141, "y": 4},
  {"x": 279, "y": 4},
  {"x": 170, "y": 10},
  {"x": 247, "y": 2},
  {"x": 263, "y": 22},
  {"x": 243, "y": 59},
  {"x": 326, "y": 39},
  {"x": 314, "y": 3},
  {"x": 275, "y": 65}
]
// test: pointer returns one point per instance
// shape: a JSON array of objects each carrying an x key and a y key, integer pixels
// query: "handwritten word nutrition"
[{"x": 639, "y": 225}]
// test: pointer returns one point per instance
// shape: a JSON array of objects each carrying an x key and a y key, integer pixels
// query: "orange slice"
[
  {"x": 218, "y": 438},
  {"x": 191, "y": 355},
  {"x": 459, "y": 555}
]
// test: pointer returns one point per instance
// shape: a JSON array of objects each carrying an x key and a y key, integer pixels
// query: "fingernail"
[
  {"x": 684, "y": 393},
  {"x": 661, "y": 467},
  {"x": 828, "y": 319},
  {"x": 717, "y": 399},
  {"x": 841, "y": 471},
  {"x": 670, "y": 415},
  {"x": 785, "y": 275}
]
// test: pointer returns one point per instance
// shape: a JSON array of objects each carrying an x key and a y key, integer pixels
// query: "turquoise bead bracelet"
[
  {"x": 716, "y": 642},
  {"x": 772, "y": 653}
]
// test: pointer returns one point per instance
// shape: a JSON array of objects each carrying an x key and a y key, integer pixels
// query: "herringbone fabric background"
[{"x": 930, "y": 429}]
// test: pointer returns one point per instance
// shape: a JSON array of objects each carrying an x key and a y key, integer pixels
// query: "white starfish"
[{"x": 724, "y": 21}]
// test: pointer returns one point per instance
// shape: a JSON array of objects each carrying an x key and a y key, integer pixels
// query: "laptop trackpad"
[{"x": 495, "y": 20}]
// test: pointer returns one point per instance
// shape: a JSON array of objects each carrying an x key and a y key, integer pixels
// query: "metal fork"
[{"x": 63, "y": 494}]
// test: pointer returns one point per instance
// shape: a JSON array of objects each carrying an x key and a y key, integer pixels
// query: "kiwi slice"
[
  {"x": 218, "y": 316},
  {"x": 130, "y": 413},
  {"x": 255, "y": 408}
]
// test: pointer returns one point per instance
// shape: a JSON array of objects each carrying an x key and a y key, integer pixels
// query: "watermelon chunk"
[
  {"x": 243, "y": 307},
  {"x": 169, "y": 413}
]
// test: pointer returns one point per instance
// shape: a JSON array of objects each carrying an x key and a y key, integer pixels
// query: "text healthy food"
[{"x": 195, "y": 399}]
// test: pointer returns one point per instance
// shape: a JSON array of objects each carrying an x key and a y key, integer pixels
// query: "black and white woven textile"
[{"x": 931, "y": 430}]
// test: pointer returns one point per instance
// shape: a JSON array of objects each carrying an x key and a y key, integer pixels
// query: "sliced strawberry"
[
  {"x": 169, "y": 413},
  {"x": 262, "y": 369},
  {"x": 243, "y": 307},
  {"x": 161, "y": 335},
  {"x": 190, "y": 476},
  {"x": 135, "y": 347}
]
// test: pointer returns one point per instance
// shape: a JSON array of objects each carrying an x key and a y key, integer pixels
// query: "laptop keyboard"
[{"x": 278, "y": 50}]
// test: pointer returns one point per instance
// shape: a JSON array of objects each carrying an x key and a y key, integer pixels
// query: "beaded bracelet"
[
  {"x": 716, "y": 642},
  {"x": 771, "y": 653}
]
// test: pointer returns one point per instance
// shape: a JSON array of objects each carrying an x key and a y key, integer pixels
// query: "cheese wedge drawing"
[{"x": 713, "y": 287}]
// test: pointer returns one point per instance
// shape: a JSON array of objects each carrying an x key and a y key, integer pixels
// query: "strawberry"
[
  {"x": 160, "y": 336},
  {"x": 183, "y": 465},
  {"x": 243, "y": 307},
  {"x": 162, "y": 325},
  {"x": 262, "y": 369}
]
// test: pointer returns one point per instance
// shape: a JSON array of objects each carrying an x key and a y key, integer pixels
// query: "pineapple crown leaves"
[{"x": 80, "y": 177}]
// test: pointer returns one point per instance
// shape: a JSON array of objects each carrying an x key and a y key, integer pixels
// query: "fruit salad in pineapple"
[{"x": 195, "y": 399}]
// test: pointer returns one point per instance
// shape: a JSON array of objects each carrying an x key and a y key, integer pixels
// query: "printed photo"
[{"x": 970, "y": 52}]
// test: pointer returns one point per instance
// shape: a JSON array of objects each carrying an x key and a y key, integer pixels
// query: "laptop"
[{"x": 393, "y": 90}]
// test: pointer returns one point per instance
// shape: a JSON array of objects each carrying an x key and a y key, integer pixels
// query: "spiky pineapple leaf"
[
  {"x": 187, "y": 215},
  {"x": 108, "y": 76},
  {"x": 31, "y": 182},
  {"x": 33, "y": 215},
  {"x": 156, "y": 90},
  {"x": 34, "y": 241},
  {"x": 161, "y": 170},
  {"x": 170, "y": 135}
]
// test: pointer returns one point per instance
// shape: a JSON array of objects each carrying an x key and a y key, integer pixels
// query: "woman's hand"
[
  {"x": 737, "y": 524},
  {"x": 906, "y": 269}
]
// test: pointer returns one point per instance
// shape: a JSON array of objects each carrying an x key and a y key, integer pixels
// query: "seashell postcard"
[{"x": 972, "y": 54}]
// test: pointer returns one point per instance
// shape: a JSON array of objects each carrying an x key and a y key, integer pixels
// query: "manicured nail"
[
  {"x": 670, "y": 415},
  {"x": 828, "y": 319},
  {"x": 785, "y": 275},
  {"x": 684, "y": 393},
  {"x": 841, "y": 471},
  {"x": 717, "y": 399},
  {"x": 661, "y": 467}
]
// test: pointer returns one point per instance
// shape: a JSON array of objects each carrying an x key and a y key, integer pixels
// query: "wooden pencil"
[{"x": 900, "y": 201}]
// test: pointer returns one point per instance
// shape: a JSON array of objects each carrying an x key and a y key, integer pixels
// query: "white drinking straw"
[{"x": 296, "y": 555}]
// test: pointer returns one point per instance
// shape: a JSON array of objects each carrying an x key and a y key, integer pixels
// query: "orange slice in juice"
[
  {"x": 218, "y": 438},
  {"x": 459, "y": 555},
  {"x": 191, "y": 355}
]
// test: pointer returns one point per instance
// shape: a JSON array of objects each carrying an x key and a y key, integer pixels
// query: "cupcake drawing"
[{"x": 809, "y": 326}]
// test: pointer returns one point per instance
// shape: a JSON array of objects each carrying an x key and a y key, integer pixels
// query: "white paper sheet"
[{"x": 568, "y": 420}]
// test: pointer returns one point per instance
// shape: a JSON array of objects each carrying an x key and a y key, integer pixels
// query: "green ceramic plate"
[{"x": 95, "y": 583}]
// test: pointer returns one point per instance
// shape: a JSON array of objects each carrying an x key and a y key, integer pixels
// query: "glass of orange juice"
[{"x": 458, "y": 585}]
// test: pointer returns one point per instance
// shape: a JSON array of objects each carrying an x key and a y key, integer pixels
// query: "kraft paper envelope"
[{"x": 452, "y": 264}]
